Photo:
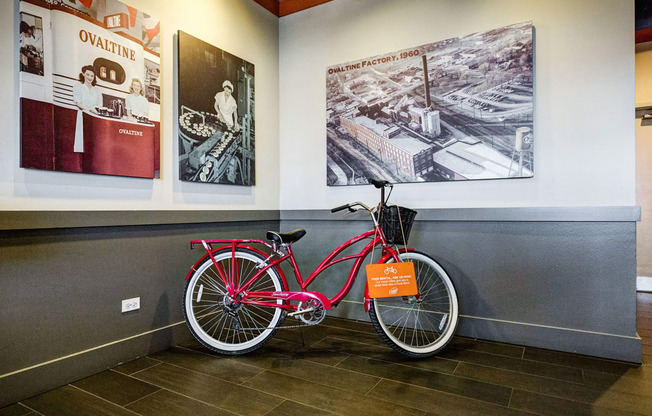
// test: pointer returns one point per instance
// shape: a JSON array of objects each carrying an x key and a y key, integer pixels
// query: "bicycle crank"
[{"x": 311, "y": 312}]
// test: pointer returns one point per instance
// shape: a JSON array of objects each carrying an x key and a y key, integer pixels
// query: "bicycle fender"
[{"x": 262, "y": 253}]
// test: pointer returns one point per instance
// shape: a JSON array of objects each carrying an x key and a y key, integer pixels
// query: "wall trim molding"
[
  {"x": 643, "y": 284},
  {"x": 37, "y": 379},
  {"x": 108, "y": 344},
  {"x": 522, "y": 214},
  {"x": 32, "y": 220},
  {"x": 571, "y": 340}
]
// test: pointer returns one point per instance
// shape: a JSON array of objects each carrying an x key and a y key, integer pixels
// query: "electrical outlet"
[{"x": 132, "y": 304}]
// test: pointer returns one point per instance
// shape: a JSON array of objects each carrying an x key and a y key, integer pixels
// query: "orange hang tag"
[{"x": 391, "y": 279}]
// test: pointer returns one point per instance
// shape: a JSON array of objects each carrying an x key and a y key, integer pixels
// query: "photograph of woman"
[
  {"x": 216, "y": 100},
  {"x": 85, "y": 94},
  {"x": 226, "y": 107},
  {"x": 136, "y": 103},
  {"x": 87, "y": 97}
]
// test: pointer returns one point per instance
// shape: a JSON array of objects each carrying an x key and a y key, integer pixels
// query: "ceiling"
[{"x": 282, "y": 8}]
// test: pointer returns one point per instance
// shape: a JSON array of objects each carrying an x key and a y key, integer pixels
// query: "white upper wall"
[
  {"x": 240, "y": 27},
  {"x": 584, "y": 97}
]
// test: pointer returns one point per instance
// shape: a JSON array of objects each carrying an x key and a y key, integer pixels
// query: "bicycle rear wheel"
[
  {"x": 225, "y": 325},
  {"x": 419, "y": 326}
]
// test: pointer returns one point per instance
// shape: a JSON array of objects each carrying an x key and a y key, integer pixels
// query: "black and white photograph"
[
  {"x": 456, "y": 109},
  {"x": 216, "y": 114},
  {"x": 31, "y": 44}
]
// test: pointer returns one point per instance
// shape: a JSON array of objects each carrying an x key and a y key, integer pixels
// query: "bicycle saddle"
[{"x": 288, "y": 238}]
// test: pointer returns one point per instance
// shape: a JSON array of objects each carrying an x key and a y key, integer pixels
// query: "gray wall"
[{"x": 562, "y": 279}]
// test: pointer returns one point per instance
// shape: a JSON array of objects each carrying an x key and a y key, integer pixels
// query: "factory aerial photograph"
[{"x": 456, "y": 109}]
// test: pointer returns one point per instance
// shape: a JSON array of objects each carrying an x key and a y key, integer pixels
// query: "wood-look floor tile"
[
  {"x": 136, "y": 365},
  {"x": 116, "y": 387},
  {"x": 360, "y": 326},
  {"x": 235, "y": 371},
  {"x": 15, "y": 410},
  {"x": 488, "y": 347},
  {"x": 323, "y": 397},
  {"x": 290, "y": 408},
  {"x": 298, "y": 351},
  {"x": 643, "y": 322},
  {"x": 387, "y": 354},
  {"x": 167, "y": 403},
  {"x": 371, "y": 338},
  {"x": 547, "y": 405},
  {"x": 633, "y": 385},
  {"x": 605, "y": 397},
  {"x": 437, "y": 403},
  {"x": 307, "y": 370},
  {"x": 320, "y": 355},
  {"x": 514, "y": 364},
  {"x": 473, "y": 389},
  {"x": 647, "y": 349},
  {"x": 586, "y": 363},
  {"x": 70, "y": 401},
  {"x": 304, "y": 336},
  {"x": 223, "y": 394}
]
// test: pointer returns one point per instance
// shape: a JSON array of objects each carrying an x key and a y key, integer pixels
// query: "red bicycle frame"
[{"x": 238, "y": 290}]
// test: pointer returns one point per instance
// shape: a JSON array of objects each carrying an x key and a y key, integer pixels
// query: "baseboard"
[
  {"x": 596, "y": 344},
  {"x": 644, "y": 284},
  {"x": 39, "y": 378}
]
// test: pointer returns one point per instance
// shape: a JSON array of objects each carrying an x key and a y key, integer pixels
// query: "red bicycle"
[{"x": 237, "y": 296}]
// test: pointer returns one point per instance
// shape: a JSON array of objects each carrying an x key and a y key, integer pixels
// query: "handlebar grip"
[
  {"x": 340, "y": 208},
  {"x": 378, "y": 183}
]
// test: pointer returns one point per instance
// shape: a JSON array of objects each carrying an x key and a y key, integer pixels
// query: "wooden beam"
[
  {"x": 271, "y": 5},
  {"x": 293, "y": 6}
]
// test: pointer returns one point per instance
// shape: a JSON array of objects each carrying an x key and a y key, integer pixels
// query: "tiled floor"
[{"x": 342, "y": 367}]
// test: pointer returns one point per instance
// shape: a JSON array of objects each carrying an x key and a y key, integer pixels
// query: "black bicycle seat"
[{"x": 287, "y": 238}]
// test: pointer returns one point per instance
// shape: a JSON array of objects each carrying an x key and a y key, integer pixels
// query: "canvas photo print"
[
  {"x": 216, "y": 115},
  {"x": 457, "y": 109},
  {"x": 89, "y": 87}
]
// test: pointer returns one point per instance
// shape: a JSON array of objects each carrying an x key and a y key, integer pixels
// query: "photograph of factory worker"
[
  {"x": 31, "y": 48},
  {"x": 31, "y": 36},
  {"x": 85, "y": 94},
  {"x": 136, "y": 103},
  {"x": 226, "y": 107}
]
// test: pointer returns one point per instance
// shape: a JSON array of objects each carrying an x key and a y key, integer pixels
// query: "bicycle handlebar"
[
  {"x": 350, "y": 207},
  {"x": 340, "y": 208},
  {"x": 379, "y": 184}
]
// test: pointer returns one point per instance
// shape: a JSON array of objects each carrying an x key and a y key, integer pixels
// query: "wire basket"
[{"x": 391, "y": 223}]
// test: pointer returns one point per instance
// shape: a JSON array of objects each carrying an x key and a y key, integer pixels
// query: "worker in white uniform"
[
  {"x": 226, "y": 107},
  {"x": 136, "y": 103}
]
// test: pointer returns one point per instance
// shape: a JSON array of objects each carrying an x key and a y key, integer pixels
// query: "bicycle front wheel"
[
  {"x": 226, "y": 325},
  {"x": 419, "y": 326}
]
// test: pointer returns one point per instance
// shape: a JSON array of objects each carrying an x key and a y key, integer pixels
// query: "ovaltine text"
[
  {"x": 107, "y": 45},
  {"x": 130, "y": 132}
]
